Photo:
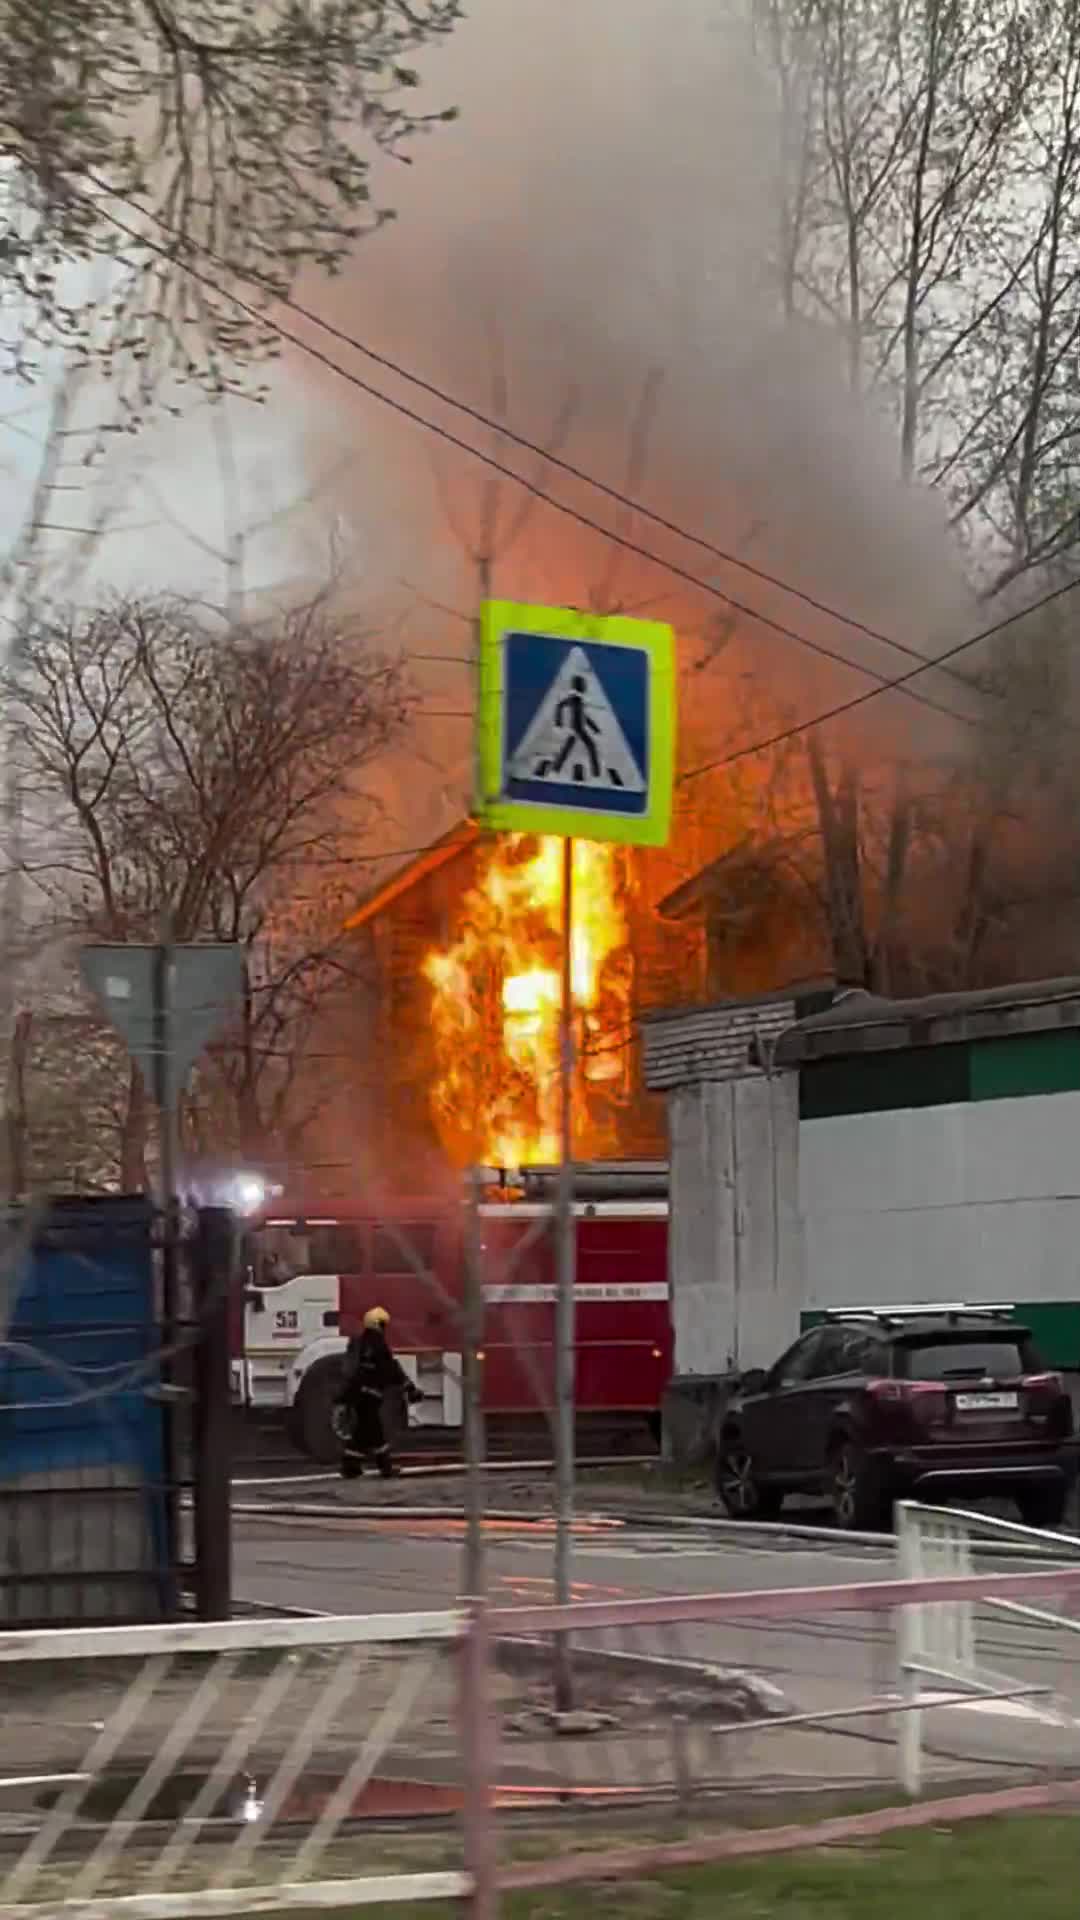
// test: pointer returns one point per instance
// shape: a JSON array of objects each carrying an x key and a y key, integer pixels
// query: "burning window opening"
[{"x": 495, "y": 1004}]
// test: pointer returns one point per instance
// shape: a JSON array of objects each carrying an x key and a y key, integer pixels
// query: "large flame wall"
[{"x": 495, "y": 1003}]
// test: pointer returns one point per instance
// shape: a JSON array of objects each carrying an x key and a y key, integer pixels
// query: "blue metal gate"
[{"x": 86, "y": 1528}]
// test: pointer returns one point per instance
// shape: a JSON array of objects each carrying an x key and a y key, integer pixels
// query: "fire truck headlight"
[{"x": 247, "y": 1193}]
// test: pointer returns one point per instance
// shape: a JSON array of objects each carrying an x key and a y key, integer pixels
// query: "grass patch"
[{"x": 1008, "y": 1869}]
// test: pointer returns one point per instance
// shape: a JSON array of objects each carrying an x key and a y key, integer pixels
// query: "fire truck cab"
[{"x": 308, "y": 1279}]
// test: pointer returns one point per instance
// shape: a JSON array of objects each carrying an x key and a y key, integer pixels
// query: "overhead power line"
[
  {"x": 900, "y": 683},
  {"x": 615, "y": 494},
  {"x": 551, "y": 457},
  {"x": 871, "y": 693},
  {"x": 532, "y": 487}
]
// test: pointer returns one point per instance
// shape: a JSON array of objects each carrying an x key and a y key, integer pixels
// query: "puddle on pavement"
[{"x": 240, "y": 1799}]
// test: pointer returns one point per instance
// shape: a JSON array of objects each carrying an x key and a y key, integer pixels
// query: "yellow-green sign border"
[{"x": 653, "y": 637}]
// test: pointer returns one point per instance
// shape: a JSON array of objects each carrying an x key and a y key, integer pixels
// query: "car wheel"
[
  {"x": 858, "y": 1503},
  {"x": 1043, "y": 1506},
  {"x": 739, "y": 1488}
]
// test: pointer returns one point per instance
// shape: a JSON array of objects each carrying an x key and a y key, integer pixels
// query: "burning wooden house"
[{"x": 462, "y": 947}]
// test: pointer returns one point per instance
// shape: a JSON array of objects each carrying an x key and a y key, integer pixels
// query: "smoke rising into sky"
[
  {"x": 598, "y": 221},
  {"x": 602, "y": 215}
]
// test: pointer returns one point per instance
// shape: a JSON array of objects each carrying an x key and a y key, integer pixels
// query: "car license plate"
[{"x": 985, "y": 1402}]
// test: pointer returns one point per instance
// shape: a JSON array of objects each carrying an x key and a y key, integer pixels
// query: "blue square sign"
[{"x": 576, "y": 724}]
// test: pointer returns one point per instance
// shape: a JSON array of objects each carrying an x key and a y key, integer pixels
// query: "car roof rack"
[{"x": 927, "y": 1310}]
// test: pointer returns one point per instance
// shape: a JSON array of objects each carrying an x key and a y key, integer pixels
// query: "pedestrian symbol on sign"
[
  {"x": 575, "y": 738},
  {"x": 574, "y": 717}
]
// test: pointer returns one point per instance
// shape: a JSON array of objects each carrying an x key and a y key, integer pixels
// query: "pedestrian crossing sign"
[{"x": 576, "y": 724}]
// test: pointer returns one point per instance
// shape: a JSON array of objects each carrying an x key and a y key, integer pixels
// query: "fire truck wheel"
[{"x": 313, "y": 1421}]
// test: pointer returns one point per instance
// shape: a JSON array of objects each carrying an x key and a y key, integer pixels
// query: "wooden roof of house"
[{"x": 441, "y": 851}]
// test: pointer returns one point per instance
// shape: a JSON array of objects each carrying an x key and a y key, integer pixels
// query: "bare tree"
[
  {"x": 838, "y": 814},
  {"x": 927, "y": 194},
  {"x": 206, "y": 776},
  {"x": 262, "y": 1091},
  {"x": 196, "y": 146},
  {"x": 904, "y": 128},
  {"x": 784, "y": 30},
  {"x": 1013, "y": 468},
  {"x": 1007, "y": 826},
  {"x": 67, "y": 1101},
  {"x": 965, "y": 872}
]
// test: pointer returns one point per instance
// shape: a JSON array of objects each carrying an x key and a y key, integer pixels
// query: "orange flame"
[{"x": 496, "y": 995}]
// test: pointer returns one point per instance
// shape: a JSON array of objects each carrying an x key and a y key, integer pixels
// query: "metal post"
[
  {"x": 473, "y": 1314},
  {"x": 566, "y": 1274},
  {"x": 477, "y": 1722},
  {"x": 162, "y": 1096},
  {"x": 162, "y": 1088},
  {"x": 909, "y": 1756},
  {"x": 11, "y": 915},
  {"x": 214, "y": 1264},
  {"x": 473, "y": 1411},
  {"x": 478, "y": 1742}
]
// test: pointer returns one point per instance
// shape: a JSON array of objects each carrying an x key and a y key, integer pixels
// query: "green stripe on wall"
[
  {"x": 1025, "y": 1063},
  {"x": 1017, "y": 1065}
]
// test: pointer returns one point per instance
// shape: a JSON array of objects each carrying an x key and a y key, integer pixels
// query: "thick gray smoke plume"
[
  {"x": 604, "y": 208},
  {"x": 600, "y": 221}
]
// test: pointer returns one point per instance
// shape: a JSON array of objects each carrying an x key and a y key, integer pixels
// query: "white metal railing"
[
  {"x": 688, "y": 1757},
  {"x": 208, "y": 1769},
  {"x": 941, "y": 1641},
  {"x": 266, "y": 1735}
]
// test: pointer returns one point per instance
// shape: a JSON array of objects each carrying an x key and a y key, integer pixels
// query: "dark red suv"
[{"x": 883, "y": 1404}]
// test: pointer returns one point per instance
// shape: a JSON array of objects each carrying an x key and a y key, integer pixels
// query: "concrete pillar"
[
  {"x": 701, "y": 1236},
  {"x": 771, "y": 1264},
  {"x": 735, "y": 1244}
]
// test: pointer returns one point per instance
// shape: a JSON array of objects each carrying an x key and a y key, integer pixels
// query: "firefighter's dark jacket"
[{"x": 370, "y": 1367}]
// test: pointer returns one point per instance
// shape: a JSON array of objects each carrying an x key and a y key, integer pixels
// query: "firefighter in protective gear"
[{"x": 370, "y": 1371}]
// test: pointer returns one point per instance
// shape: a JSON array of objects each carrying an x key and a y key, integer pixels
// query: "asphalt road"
[{"x": 820, "y": 1662}]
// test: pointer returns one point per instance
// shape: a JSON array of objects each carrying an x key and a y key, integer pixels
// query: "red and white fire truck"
[{"x": 310, "y": 1277}]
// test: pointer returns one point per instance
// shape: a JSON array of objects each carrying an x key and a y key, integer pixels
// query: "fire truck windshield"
[{"x": 284, "y": 1250}]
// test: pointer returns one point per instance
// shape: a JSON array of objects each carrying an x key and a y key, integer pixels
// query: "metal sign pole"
[
  {"x": 162, "y": 1091},
  {"x": 566, "y": 1274},
  {"x": 472, "y": 1408},
  {"x": 473, "y": 1316},
  {"x": 167, "y": 1002},
  {"x": 162, "y": 1095},
  {"x": 575, "y": 736}
]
